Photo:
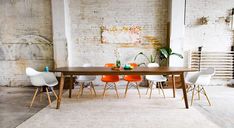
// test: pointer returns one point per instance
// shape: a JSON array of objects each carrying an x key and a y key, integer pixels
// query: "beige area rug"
[{"x": 130, "y": 112}]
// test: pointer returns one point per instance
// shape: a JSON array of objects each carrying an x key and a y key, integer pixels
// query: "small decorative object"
[
  {"x": 46, "y": 69},
  {"x": 128, "y": 67},
  {"x": 204, "y": 20},
  {"x": 118, "y": 64},
  {"x": 232, "y": 20}
]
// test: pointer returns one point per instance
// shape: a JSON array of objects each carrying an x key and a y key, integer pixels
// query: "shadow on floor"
[{"x": 14, "y": 105}]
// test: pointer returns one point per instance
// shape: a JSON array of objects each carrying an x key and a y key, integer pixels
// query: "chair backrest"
[
  {"x": 134, "y": 77},
  {"x": 134, "y": 65},
  {"x": 208, "y": 71},
  {"x": 191, "y": 77},
  {"x": 205, "y": 76},
  {"x": 86, "y": 77},
  {"x": 87, "y": 65},
  {"x": 36, "y": 77},
  {"x": 109, "y": 65},
  {"x": 31, "y": 72},
  {"x": 110, "y": 77}
]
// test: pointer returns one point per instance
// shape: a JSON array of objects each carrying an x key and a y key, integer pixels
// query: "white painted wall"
[
  {"x": 59, "y": 33},
  {"x": 176, "y": 31},
  {"x": 216, "y": 35}
]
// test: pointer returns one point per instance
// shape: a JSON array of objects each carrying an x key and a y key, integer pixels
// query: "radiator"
[{"x": 221, "y": 61}]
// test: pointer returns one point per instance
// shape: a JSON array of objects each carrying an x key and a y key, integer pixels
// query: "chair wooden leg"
[
  {"x": 80, "y": 90},
  {"x": 33, "y": 97},
  {"x": 151, "y": 88},
  {"x": 198, "y": 92},
  {"x": 194, "y": 88},
  {"x": 206, "y": 96},
  {"x": 55, "y": 94},
  {"x": 126, "y": 90},
  {"x": 137, "y": 86},
  {"x": 158, "y": 86},
  {"x": 48, "y": 95},
  {"x": 162, "y": 89},
  {"x": 147, "y": 91},
  {"x": 93, "y": 89},
  {"x": 90, "y": 89},
  {"x": 104, "y": 92},
  {"x": 117, "y": 94},
  {"x": 147, "y": 88},
  {"x": 41, "y": 91}
]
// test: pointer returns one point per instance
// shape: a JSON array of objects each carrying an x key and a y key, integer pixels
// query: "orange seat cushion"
[
  {"x": 110, "y": 78},
  {"x": 133, "y": 78}
]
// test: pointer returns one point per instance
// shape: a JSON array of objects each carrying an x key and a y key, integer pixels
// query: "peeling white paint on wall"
[
  {"x": 88, "y": 16},
  {"x": 25, "y": 39},
  {"x": 216, "y": 35}
]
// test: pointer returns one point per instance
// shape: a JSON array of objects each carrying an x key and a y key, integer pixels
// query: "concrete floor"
[
  {"x": 14, "y": 106},
  {"x": 222, "y": 110}
]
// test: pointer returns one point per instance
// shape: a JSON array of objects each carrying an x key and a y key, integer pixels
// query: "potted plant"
[
  {"x": 153, "y": 57},
  {"x": 150, "y": 59},
  {"x": 165, "y": 53}
]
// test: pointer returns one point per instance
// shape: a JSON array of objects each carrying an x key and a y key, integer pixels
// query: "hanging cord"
[{"x": 199, "y": 54}]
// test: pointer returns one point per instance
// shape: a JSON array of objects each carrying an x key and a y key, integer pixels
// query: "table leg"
[
  {"x": 173, "y": 84},
  {"x": 60, "y": 91},
  {"x": 184, "y": 90},
  {"x": 70, "y": 86}
]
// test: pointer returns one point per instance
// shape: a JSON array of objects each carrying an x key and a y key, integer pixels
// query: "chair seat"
[
  {"x": 110, "y": 78},
  {"x": 85, "y": 78},
  {"x": 132, "y": 78},
  {"x": 51, "y": 84},
  {"x": 156, "y": 78}
]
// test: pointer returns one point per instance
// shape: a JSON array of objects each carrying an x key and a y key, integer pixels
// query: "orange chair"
[
  {"x": 132, "y": 79},
  {"x": 110, "y": 79}
]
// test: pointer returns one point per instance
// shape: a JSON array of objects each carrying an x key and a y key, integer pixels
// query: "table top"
[{"x": 109, "y": 71}]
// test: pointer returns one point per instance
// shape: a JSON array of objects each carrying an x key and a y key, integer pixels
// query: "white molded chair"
[
  {"x": 40, "y": 79},
  {"x": 85, "y": 79},
  {"x": 197, "y": 80},
  {"x": 155, "y": 80}
]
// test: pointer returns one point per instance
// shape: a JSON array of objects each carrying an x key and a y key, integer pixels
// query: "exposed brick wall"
[
  {"x": 88, "y": 15},
  {"x": 22, "y": 24}
]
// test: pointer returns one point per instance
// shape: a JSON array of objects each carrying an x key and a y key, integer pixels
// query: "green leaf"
[
  {"x": 141, "y": 53},
  {"x": 177, "y": 54},
  {"x": 141, "y": 64},
  {"x": 153, "y": 59},
  {"x": 164, "y": 52},
  {"x": 169, "y": 51}
]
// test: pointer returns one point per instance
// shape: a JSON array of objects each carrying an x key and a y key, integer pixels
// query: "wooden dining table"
[{"x": 71, "y": 71}]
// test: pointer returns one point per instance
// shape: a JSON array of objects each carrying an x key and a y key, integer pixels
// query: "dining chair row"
[
  {"x": 194, "y": 81},
  {"x": 48, "y": 80},
  {"x": 110, "y": 81}
]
